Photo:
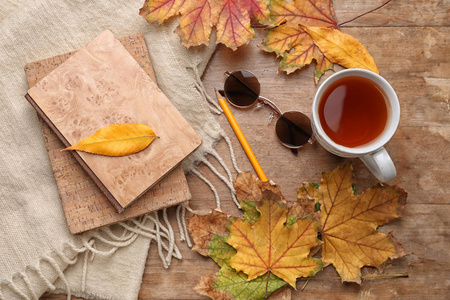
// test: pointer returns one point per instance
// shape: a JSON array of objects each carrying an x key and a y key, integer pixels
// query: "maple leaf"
[
  {"x": 287, "y": 254},
  {"x": 341, "y": 48},
  {"x": 269, "y": 246},
  {"x": 349, "y": 222},
  {"x": 117, "y": 140},
  {"x": 229, "y": 284},
  {"x": 291, "y": 42},
  {"x": 309, "y": 13},
  {"x": 197, "y": 17},
  {"x": 310, "y": 32},
  {"x": 250, "y": 191},
  {"x": 210, "y": 233}
]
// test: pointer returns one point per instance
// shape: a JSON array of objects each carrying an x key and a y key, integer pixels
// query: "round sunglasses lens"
[
  {"x": 293, "y": 129},
  {"x": 242, "y": 88}
]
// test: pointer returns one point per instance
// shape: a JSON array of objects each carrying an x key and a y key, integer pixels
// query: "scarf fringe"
[{"x": 149, "y": 226}]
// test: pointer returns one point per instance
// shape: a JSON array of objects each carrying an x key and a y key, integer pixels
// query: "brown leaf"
[
  {"x": 117, "y": 140},
  {"x": 349, "y": 223},
  {"x": 291, "y": 42},
  {"x": 203, "y": 228},
  {"x": 249, "y": 188},
  {"x": 303, "y": 208},
  {"x": 206, "y": 287}
]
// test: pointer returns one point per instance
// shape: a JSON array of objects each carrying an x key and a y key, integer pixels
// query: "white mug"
[{"x": 373, "y": 153}]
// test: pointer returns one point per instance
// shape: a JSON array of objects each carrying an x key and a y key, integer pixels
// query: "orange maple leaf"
[
  {"x": 349, "y": 222},
  {"x": 291, "y": 41},
  {"x": 197, "y": 17},
  {"x": 270, "y": 246}
]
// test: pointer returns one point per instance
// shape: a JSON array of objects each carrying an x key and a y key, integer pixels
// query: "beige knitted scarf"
[{"x": 37, "y": 252}]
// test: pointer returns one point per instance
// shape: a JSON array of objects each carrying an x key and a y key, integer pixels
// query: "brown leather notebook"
[{"x": 102, "y": 84}]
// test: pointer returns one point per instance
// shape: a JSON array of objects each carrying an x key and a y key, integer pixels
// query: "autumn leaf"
[
  {"x": 291, "y": 42},
  {"x": 250, "y": 191},
  {"x": 310, "y": 32},
  {"x": 197, "y": 18},
  {"x": 117, "y": 140},
  {"x": 215, "y": 236},
  {"x": 229, "y": 284},
  {"x": 300, "y": 31},
  {"x": 341, "y": 48},
  {"x": 269, "y": 246},
  {"x": 349, "y": 222},
  {"x": 266, "y": 216},
  {"x": 210, "y": 233},
  {"x": 310, "y": 13}
]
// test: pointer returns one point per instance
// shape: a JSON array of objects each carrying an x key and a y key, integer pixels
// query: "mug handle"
[{"x": 380, "y": 164}]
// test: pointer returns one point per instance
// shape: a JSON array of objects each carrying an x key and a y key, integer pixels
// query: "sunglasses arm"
[{"x": 269, "y": 103}]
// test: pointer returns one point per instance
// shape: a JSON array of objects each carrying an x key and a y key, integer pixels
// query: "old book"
[
  {"x": 84, "y": 204},
  {"x": 102, "y": 84}
]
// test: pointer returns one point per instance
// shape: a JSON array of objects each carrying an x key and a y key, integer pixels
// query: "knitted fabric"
[{"x": 37, "y": 252}]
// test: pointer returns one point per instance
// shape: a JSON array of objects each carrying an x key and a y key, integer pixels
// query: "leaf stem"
[
  {"x": 386, "y": 276},
  {"x": 267, "y": 283},
  {"x": 363, "y": 277},
  {"x": 304, "y": 286},
  {"x": 370, "y": 11}
]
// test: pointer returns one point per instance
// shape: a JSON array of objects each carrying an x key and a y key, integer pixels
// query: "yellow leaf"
[
  {"x": 117, "y": 140},
  {"x": 269, "y": 245},
  {"x": 349, "y": 222},
  {"x": 341, "y": 48}
]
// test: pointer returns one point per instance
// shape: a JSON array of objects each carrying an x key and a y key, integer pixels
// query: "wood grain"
[
  {"x": 409, "y": 41},
  {"x": 100, "y": 85},
  {"x": 84, "y": 205}
]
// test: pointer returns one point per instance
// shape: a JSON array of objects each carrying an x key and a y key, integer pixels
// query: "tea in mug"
[{"x": 353, "y": 111}]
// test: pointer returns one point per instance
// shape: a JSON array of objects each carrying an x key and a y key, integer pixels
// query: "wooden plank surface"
[
  {"x": 409, "y": 41},
  {"x": 84, "y": 205}
]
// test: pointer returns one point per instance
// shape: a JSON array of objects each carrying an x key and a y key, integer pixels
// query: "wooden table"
[{"x": 409, "y": 41}]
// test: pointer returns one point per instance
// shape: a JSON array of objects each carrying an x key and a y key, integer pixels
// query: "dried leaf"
[
  {"x": 229, "y": 284},
  {"x": 273, "y": 244},
  {"x": 249, "y": 188},
  {"x": 160, "y": 10},
  {"x": 291, "y": 42},
  {"x": 197, "y": 17},
  {"x": 117, "y": 140},
  {"x": 210, "y": 233},
  {"x": 310, "y": 13},
  {"x": 269, "y": 246},
  {"x": 341, "y": 48},
  {"x": 265, "y": 216},
  {"x": 349, "y": 222}
]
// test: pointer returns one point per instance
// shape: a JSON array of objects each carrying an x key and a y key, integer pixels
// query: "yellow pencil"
[{"x": 241, "y": 137}]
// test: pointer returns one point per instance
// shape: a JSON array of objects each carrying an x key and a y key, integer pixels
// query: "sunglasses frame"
[{"x": 267, "y": 102}]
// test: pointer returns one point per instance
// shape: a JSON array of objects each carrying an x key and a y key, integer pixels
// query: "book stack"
[{"x": 108, "y": 82}]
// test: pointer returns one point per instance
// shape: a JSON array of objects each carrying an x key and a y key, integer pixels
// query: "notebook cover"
[
  {"x": 100, "y": 85},
  {"x": 85, "y": 206}
]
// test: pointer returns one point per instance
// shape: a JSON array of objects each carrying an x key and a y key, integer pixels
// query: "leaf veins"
[{"x": 349, "y": 222}]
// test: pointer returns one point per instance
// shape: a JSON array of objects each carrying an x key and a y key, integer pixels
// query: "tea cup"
[{"x": 372, "y": 153}]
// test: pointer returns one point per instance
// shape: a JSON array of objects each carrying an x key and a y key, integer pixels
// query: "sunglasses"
[{"x": 292, "y": 128}]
